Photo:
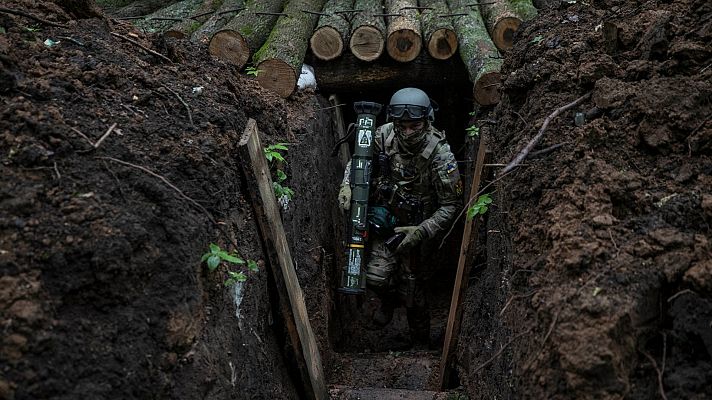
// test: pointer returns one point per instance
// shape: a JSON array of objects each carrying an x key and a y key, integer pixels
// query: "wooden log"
[
  {"x": 469, "y": 239},
  {"x": 480, "y": 55},
  {"x": 349, "y": 74},
  {"x": 184, "y": 29},
  {"x": 245, "y": 33},
  {"x": 503, "y": 18},
  {"x": 280, "y": 59},
  {"x": 227, "y": 11},
  {"x": 332, "y": 30},
  {"x": 404, "y": 39},
  {"x": 163, "y": 19},
  {"x": 250, "y": 145},
  {"x": 368, "y": 30},
  {"x": 142, "y": 7},
  {"x": 438, "y": 32}
]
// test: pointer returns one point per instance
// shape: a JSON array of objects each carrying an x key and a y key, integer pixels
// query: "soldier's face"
[{"x": 408, "y": 128}]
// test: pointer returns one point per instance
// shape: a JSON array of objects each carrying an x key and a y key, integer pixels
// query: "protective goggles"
[{"x": 407, "y": 111}]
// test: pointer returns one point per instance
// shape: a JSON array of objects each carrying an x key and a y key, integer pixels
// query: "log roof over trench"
[{"x": 355, "y": 44}]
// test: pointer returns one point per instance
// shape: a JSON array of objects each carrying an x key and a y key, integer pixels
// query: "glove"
[
  {"x": 413, "y": 236},
  {"x": 345, "y": 197}
]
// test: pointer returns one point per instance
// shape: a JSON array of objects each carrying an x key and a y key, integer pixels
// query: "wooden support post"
[
  {"x": 251, "y": 149},
  {"x": 469, "y": 238},
  {"x": 340, "y": 130}
]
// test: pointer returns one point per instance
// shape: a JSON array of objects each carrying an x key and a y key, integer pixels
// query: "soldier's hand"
[
  {"x": 345, "y": 197},
  {"x": 413, "y": 236}
]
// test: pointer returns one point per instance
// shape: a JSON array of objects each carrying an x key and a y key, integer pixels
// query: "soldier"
[{"x": 415, "y": 195}]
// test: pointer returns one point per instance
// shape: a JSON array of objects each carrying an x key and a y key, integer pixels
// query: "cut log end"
[
  {"x": 366, "y": 43},
  {"x": 486, "y": 90},
  {"x": 326, "y": 43},
  {"x": 277, "y": 76},
  {"x": 442, "y": 44},
  {"x": 504, "y": 31},
  {"x": 231, "y": 47},
  {"x": 404, "y": 45}
]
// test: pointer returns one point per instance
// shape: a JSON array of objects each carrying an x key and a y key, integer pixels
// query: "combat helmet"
[{"x": 411, "y": 104}]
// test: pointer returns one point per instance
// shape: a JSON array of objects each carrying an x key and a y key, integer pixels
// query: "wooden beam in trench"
[
  {"x": 464, "y": 264},
  {"x": 257, "y": 170}
]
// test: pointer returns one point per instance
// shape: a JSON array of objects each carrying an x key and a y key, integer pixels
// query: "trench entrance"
[{"x": 384, "y": 358}]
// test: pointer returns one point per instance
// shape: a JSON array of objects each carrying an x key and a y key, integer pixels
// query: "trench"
[{"x": 356, "y": 355}]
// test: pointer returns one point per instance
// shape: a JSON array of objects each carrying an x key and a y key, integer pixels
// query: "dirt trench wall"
[
  {"x": 102, "y": 293},
  {"x": 599, "y": 269}
]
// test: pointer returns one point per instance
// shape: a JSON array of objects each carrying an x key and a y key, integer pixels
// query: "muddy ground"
[{"x": 597, "y": 267}]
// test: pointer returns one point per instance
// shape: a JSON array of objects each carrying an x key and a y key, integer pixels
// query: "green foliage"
[
  {"x": 473, "y": 131},
  {"x": 273, "y": 152},
  {"x": 537, "y": 39},
  {"x": 234, "y": 277},
  {"x": 480, "y": 207},
  {"x": 216, "y": 255},
  {"x": 252, "y": 71},
  {"x": 35, "y": 28},
  {"x": 282, "y": 191}
]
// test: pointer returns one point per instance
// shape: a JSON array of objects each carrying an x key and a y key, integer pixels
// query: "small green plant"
[
  {"x": 472, "y": 113},
  {"x": 480, "y": 207},
  {"x": 273, "y": 152},
  {"x": 282, "y": 191},
  {"x": 35, "y": 28},
  {"x": 537, "y": 39},
  {"x": 234, "y": 277},
  {"x": 216, "y": 255},
  {"x": 252, "y": 71},
  {"x": 473, "y": 131}
]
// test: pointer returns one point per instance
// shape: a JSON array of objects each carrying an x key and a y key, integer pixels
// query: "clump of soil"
[{"x": 599, "y": 249}]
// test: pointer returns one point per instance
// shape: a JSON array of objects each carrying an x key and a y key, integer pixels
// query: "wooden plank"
[
  {"x": 340, "y": 130},
  {"x": 464, "y": 264},
  {"x": 251, "y": 142}
]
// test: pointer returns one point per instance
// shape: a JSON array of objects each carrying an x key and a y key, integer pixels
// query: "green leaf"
[
  {"x": 281, "y": 176},
  {"x": 205, "y": 257},
  {"x": 278, "y": 157},
  {"x": 213, "y": 262},
  {"x": 280, "y": 146},
  {"x": 470, "y": 213},
  {"x": 214, "y": 248},
  {"x": 269, "y": 155},
  {"x": 238, "y": 276},
  {"x": 252, "y": 265},
  {"x": 232, "y": 259},
  {"x": 537, "y": 39}
]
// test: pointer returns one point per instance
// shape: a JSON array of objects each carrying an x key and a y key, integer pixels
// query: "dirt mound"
[
  {"x": 102, "y": 291},
  {"x": 609, "y": 231}
]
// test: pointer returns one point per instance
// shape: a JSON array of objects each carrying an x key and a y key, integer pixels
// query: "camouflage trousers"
[{"x": 400, "y": 279}]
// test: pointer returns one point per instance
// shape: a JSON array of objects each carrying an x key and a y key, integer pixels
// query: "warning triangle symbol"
[{"x": 364, "y": 139}]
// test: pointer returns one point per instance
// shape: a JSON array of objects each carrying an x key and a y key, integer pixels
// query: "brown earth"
[{"x": 597, "y": 253}]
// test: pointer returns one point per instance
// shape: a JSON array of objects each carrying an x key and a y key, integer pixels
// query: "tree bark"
[
  {"x": 332, "y": 31},
  {"x": 227, "y": 11},
  {"x": 142, "y": 7},
  {"x": 245, "y": 33},
  {"x": 348, "y": 74},
  {"x": 404, "y": 36},
  {"x": 280, "y": 59},
  {"x": 481, "y": 58},
  {"x": 438, "y": 32},
  {"x": 367, "y": 30},
  {"x": 185, "y": 28},
  {"x": 524, "y": 9},
  {"x": 161, "y": 20},
  {"x": 502, "y": 22}
]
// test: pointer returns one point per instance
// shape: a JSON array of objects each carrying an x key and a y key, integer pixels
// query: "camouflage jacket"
[{"x": 431, "y": 176}]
